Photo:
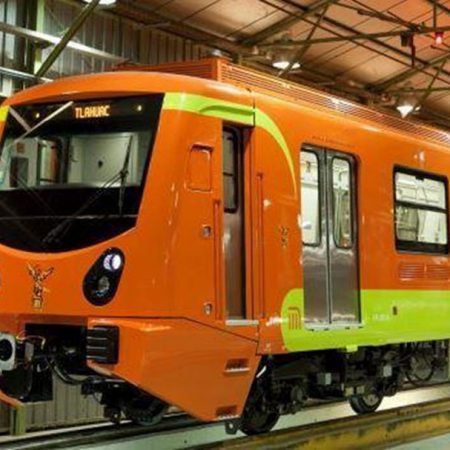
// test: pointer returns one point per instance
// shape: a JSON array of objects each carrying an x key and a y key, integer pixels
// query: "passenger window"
[
  {"x": 310, "y": 206},
  {"x": 420, "y": 212},
  {"x": 230, "y": 171},
  {"x": 342, "y": 208}
]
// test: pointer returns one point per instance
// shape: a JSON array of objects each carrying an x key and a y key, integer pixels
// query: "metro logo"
[{"x": 92, "y": 112}]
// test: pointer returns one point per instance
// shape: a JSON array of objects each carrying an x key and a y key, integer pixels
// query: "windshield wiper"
[
  {"x": 62, "y": 228},
  {"x": 38, "y": 125},
  {"x": 124, "y": 175}
]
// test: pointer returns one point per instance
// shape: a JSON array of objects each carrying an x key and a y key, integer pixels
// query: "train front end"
[{"x": 101, "y": 254}]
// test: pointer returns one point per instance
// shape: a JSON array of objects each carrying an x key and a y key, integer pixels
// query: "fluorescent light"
[
  {"x": 102, "y": 2},
  {"x": 283, "y": 64},
  {"x": 407, "y": 104},
  {"x": 405, "y": 109}
]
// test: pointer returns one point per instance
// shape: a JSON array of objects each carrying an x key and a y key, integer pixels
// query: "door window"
[
  {"x": 310, "y": 205},
  {"x": 342, "y": 208}
]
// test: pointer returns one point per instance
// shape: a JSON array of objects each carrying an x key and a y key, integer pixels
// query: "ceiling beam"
[
  {"x": 298, "y": 55},
  {"x": 407, "y": 74},
  {"x": 413, "y": 90},
  {"x": 45, "y": 38},
  {"x": 68, "y": 35},
  {"x": 379, "y": 43},
  {"x": 355, "y": 37},
  {"x": 430, "y": 86},
  {"x": 439, "y": 5},
  {"x": 12, "y": 73},
  {"x": 286, "y": 23}
]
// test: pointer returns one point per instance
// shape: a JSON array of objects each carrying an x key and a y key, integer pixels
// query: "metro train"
[{"x": 210, "y": 237}]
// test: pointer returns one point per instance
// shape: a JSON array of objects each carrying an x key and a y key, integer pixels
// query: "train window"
[
  {"x": 342, "y": 208},
  {"x": 230, "y": 170},
  {"x": 310, "y": 207},
  {"x": 49, "y": 161},
  {"x": 18, "y": 170},
  {"x": 420, "y": 212}
]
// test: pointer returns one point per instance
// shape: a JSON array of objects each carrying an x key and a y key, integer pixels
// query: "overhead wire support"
[
  {"x": 359, "y": 36},
  {"x": 70, "y": 33},
  {"x": 301, "y": 52},
  {"x": 286, "y": 23}
]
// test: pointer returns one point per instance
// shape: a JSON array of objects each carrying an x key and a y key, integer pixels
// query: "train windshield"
[{"x": 72, "y": 173}]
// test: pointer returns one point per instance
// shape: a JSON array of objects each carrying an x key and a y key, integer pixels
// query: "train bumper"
[{"x": 204, "y": 371}]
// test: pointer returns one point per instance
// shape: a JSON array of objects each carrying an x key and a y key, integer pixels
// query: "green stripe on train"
[
  {"x": 3, "y": 113},
  {"x": 233, "y": 112},
  {"x": 388, "y": 317}
]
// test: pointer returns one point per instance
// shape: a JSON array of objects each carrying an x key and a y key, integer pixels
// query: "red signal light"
[{"x": 438, "y": 37}]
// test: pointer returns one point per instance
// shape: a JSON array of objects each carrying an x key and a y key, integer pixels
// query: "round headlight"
[
  {"x": 102, "y": 280},
  {"x": 103, "y": 286},
  {"x": 113, "y": 262}
]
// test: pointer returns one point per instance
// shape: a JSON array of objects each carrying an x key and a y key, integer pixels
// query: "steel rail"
[
  {"x": 371, "y": 431},
  {"x": 106, "y": 432}
]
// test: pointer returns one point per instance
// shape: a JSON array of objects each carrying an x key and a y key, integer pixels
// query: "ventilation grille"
[
  {"x": 267, "y": 84},
  {"x": 410, "y": 271},
  {"x": 224, "y": 71},
  {"x": 415, "y": 271},
  {"x": 196, "y": 69},
  {"x": 438, "y": 272}
]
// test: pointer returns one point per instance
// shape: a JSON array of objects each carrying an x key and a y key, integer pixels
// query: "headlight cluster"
[{"x": 102, "y": 280}]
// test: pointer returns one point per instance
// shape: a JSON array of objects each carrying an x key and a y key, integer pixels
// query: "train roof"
[{"x": 216, "y": 77}]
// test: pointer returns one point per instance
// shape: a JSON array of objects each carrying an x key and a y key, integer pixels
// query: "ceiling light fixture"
[
  {"x": 407, "y": 104},
  {"x": 283, "y": 60},
  {"x": 102, "y": 2},
  {"x": 282, "y": 65}
]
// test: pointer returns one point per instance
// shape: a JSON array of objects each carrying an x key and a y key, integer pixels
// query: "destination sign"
[
  {"x": 76, "y": 117},
  {"x": 92, "y": 111}
]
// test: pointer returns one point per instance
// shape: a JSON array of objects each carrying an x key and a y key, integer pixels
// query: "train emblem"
[{"x": 39, "y": 276}]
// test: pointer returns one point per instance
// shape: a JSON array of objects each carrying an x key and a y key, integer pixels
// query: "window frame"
[
  {"x": 308, "y": 149},
  {"x": 415, "y": 247}
]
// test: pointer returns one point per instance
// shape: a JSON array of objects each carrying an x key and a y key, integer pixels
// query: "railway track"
[
  {"x": 323, "y": 421},
  {"x": 374, "y": 431},
  {"x": 96, "y": 434}
]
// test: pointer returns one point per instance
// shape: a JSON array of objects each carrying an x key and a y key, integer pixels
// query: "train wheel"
[
  {"x": 257, "y": 417},
  {"x": 259, "y": 422},
  {"x": 364, "y": 404},
  {"x": 146, "y": 411}
]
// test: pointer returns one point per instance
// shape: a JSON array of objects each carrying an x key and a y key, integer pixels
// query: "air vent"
[
  {"x": 222, "y": 70},
  {"x": 438, "y": 272},
  {"x": 411, "y": 271},
  {"x": 198, "y": 69}
]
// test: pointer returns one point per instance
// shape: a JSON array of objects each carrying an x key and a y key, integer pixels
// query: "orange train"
[{"x": 206, "y": 236}]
